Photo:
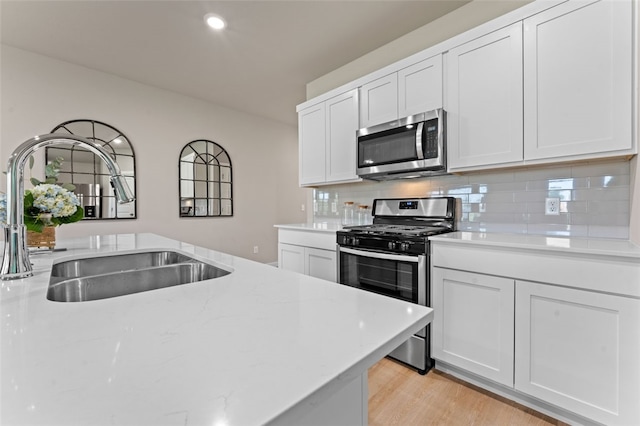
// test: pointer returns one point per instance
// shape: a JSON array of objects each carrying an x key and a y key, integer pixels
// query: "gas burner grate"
[{"x": 388, "y": 229}]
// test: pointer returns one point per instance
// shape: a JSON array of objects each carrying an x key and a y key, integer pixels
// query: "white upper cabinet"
[
  {"x": 578, "y": 73},
  {"x": 484, "y": 100},
  {"x": 379, "y": 101},
  {"x": 341, "y": 127},
  {"x": 412, "y": 90},
  {"x": 420, "y": 87},
  {"x": 550, "y": 82},
  {"x": 571, "y": 100},
  {"x": 327, "y": 140},
  {"x": 311, "y": 144}
]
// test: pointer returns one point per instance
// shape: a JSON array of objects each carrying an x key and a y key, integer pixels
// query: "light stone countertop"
[
  {"x": 328, "y": 227},
  {"x": 243, "y": 349},
  {"x": 589, "y": 246}
]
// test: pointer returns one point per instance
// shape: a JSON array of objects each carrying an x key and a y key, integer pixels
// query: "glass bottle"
[
  {"x": 348, "y": 214},
  {"x": 364, "y": 215}
]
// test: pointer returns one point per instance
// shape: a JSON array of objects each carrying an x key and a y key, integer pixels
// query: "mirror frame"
[
  {"x": 205, "y": 153},
  {"x": 95, "y": 191}
]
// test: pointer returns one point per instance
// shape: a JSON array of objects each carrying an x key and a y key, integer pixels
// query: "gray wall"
[{"x": 39, "y": 93}]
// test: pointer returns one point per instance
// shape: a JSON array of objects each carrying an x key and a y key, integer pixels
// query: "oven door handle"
[{"x": 377, "y": 255}]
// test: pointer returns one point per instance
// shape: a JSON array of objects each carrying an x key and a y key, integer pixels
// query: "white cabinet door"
[
  {"x": 420, "y": 87},
  {"x": 484, "y": 100},
  {"x": 321, "y": 264},
  {"x": 578, "y": 74},
  {"x": 311, "y": 144},
  {"x": 473, "y": 323},
  {"x": 579, "y": 350},
  {"x": 341, "y": 127},
  {"x": 291, "y": 257},
  {"x": 379, "y": 101}
]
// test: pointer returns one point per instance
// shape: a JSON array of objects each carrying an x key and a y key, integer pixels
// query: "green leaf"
[
  {"x": 50, "y": 180},
  {"x": 78, "y": 215},
  {"x": 69, "y": 186},
  {"x": 28, "y": 200},
  {"x": 51, "y": 171},
  {"x": 31, "y": 214},
  {"x": 33, "y": 225},
  {"x": 34, "y": 181},
  {"x": 31, "y": 161}
]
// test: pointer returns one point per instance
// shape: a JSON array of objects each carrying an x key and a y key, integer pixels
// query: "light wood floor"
[{"x": 400, "y": 396}]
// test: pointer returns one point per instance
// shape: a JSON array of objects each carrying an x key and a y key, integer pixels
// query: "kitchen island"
[{"x": 257, "y": 346}]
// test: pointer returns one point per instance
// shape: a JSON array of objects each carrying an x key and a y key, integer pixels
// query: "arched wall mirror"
[
  {"x": 89, "y": 174},
  {"x": 205, "y": 180}
]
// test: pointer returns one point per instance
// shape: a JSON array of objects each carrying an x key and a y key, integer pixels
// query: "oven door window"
[{"x": 395, "y": 278}]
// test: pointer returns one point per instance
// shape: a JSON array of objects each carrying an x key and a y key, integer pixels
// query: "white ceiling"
[{"x": 260, "y": 64}]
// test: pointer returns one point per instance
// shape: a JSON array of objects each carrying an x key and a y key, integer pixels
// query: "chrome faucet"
[{"x": 15, "y": 260}]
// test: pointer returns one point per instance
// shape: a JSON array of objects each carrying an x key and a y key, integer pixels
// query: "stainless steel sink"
[
  {"x": 97, "y": 278},
  {"x": 117, "y": 263}
]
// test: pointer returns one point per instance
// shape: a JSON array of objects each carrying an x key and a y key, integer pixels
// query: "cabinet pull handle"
[{"x": 419, "y": 150}]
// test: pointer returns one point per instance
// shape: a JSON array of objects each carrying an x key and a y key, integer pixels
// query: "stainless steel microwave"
[{"x": 410, "y": 147}]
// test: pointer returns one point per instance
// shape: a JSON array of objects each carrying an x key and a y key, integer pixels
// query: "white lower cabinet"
[
  {"x": 308, "y": 252},
  {"x": 574, "y": 349},
  {"x": 291, "y": 257},
  {"x": 579, "y": 350},
  {"x": 473, "y": 325},
  {"x": 320, "y": 263},
  {"x": 315, "y": 262}
]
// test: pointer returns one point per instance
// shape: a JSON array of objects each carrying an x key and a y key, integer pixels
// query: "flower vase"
[{"x": 46, "y": 238}]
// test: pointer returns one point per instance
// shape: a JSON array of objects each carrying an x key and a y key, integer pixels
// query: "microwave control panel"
[{"x": 431, "y": 138}]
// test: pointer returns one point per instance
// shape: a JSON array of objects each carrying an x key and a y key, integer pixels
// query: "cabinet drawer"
[{"x": 320, "y": 240}]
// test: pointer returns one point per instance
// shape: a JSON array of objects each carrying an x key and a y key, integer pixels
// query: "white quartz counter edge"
[
  {"x": 242, "y": 349},
  {"x": 328, "y": 227},
  {"x": 588, "y": 246}
]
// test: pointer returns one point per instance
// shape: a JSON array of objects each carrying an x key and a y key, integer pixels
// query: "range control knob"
[
  {"x": 391, "y": 245},
  {"x": 404, "y": 247},
  {"x": 355, "y": 241}
]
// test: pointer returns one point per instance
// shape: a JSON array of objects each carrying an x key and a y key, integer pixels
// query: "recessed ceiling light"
[{"x": 214, "y": 21}]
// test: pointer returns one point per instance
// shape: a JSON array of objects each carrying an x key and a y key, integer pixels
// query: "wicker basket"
[{"x": 46, "y": 238}]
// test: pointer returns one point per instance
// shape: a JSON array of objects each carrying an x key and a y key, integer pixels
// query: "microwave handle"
[
  {"x": 419, "y": 149},
  {"x": 376, "y": 255}
]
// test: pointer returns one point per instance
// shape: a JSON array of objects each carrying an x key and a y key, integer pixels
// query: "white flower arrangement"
[
  {"x": 47, "y": 203},
  {"x": 3, "y": 208},
  {"x": 55, "y": 199}
]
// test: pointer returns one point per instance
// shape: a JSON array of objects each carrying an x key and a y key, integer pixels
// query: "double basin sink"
[{"x": 102, "y": 277}]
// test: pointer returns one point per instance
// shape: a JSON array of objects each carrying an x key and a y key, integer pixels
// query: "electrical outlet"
[
  {"x": 255, "y": 249},
  {"x": 302, "y": 207},
  {"x": 552, "y": 206}
]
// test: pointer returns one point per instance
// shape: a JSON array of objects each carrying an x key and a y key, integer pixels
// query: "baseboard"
[{"x": 515, "y": 396}]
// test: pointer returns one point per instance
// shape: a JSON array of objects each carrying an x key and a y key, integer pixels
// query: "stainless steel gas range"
[{"x": 391, "y": 257}]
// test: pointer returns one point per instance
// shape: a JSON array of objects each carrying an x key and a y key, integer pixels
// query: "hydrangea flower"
[
  {"x": 50, "y": 205},
  {"x": 54, "y": 199},
  {"x": 3, "y": 208}
]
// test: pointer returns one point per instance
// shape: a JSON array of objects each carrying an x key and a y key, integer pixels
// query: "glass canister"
[
  {"x": 364, "y": 215},
  {"x": 348, "y": 214}
]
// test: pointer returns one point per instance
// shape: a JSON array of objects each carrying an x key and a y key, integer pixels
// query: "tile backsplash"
[{"x": 594, "y": 199}]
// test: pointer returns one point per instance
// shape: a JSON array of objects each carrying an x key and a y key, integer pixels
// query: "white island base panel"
[{"x": 258, "y": 346}]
